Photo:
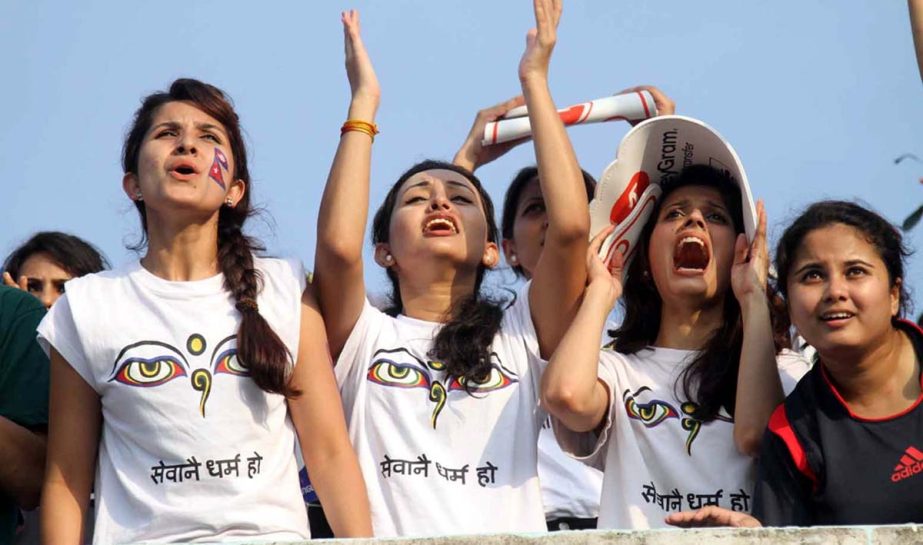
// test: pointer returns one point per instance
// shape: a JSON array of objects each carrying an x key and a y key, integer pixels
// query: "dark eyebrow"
[
  {"x": 211, "y": 127},
  {"x": 463, "y": 185},
  {"x": 200, "y": 126},
  {"x": 809, "y": 265},
  {"x": 852, "y": 262},
  {"x": 421, "y": 183},
  {"x": 166, "y": 125}
]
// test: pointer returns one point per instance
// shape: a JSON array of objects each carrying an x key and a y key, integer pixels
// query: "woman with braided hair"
[{"x": 186, "y": 375}]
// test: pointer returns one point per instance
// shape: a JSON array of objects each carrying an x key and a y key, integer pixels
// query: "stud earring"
[
  {"x": 388, "y": 258},
  {"x": 514, "y": 260},
  {"x": 228, "y": 201},
  {"x": 139, "y": 196}
]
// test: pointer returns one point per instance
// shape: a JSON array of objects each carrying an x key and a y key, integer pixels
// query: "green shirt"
[{"x": 23, "y": 377}]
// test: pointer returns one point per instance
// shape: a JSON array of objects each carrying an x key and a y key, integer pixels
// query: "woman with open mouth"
[
  {"x": 441, "y": 389},
  {"x": 845, "y": 447},
  {"x": 182, "y": 380},
  {"x": 673, "y": 409}
]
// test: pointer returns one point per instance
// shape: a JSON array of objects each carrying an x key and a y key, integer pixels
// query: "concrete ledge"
[{"x": 839, "y": 535}]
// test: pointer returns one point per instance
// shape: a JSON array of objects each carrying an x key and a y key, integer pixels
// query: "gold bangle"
[{"x": 358, "y": 125}]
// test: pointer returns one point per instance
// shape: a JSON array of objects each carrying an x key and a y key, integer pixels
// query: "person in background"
[
  {"x": 45, "y": 262},
  {"x": 23, "y": 407}
]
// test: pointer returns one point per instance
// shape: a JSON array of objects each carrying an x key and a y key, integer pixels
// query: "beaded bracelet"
[{"x": 370, "y": 129}]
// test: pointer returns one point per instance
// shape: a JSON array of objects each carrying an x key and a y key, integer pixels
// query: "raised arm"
[
  {"x": 344, "y": 207},
  {"x": 571, "y": 391},
  {"x": 74, "y": 418},
  {"x": 916, "y": 25},
  {"x": 473, "y": 154},
  {"x": 560, "y": 275},
  {"x": 759, "y": 389},
  {"x": 318, "y": 418}
]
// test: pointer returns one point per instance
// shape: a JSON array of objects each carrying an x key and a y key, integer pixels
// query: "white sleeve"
[
  {"x": 517, "y": 321},
  {"x": 792, "y": 366},
  {"x": 517, "y": 328},
  {"x": 350, "y": 368},
  {"x": 588, "y": 446},
  {"x": 59, "y": 331}
]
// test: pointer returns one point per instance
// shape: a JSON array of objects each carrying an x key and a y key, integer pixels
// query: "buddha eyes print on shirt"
[
  {"x": 149, "y": 364},
  {"x": 654, "y": 412},
  {"x": 399, "y": 368}
]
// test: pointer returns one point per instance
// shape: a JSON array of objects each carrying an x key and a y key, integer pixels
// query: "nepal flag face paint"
[{"x": 215, "y": 172}]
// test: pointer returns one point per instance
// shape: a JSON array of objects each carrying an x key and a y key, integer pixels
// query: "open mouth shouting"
[
  {"x": 183, "y": 170},
  {"x": 439, "y": 226},
  {"x": 691, "y": 255}
]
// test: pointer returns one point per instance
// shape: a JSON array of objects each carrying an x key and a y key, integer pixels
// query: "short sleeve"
[
  {"x": 362, "y": 335},
  {"x": 792, "y": 366},
  {"x": 517, "y": 323},
  {"x": 782, "y": 494},
  {"x": 59, "y": 331},
  {"x": 589, "y": 446},
  {"x": 304, "y": 278},
  {"x": 23, "y": 365}
]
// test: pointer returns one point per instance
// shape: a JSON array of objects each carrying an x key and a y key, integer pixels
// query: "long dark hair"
[
  {"x": 883, "y": 236},
  {"x": 258, "y": 347},
  {"x": 464, "y": 342},
  {"x": 514, "y": 195},
  {"x": 710, "y": 379},
  {"x": 73, "y": 254}
]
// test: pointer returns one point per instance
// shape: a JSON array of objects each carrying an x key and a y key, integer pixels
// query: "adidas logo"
[{"x": 911, "y": 463}]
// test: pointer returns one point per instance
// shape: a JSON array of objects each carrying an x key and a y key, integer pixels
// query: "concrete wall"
[{"x": 845, "y": 535}]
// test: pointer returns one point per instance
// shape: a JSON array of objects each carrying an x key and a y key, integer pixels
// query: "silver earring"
[
  {"x": 513, "y": 259},
  {"x": 228, "y": 201},
  {"x": 388, "y": 258},
  {"x": 139, "y": 196}
]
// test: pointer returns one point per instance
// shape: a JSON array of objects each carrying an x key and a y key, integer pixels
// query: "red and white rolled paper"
[{"x": 634, "y": 106}]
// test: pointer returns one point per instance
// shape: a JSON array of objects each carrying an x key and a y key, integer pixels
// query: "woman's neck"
[
  {"x": 430, "y": 296},
  {"x": 688, "y": 328},
  {"x": 879, "y": 380},
  {"x": 182, "y": 252}
]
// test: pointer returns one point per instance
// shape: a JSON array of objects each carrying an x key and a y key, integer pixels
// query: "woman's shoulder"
[
  {"x": 279, "y": 265},
  {"x": 282, "y": 271}
]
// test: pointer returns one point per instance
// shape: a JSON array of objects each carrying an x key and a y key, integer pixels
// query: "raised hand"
[
  {"x": 712, "y": 516},
  {"x": 664, "y": 104},
  {"x": 604, "y": 280},
  {"x": 472, "y": 154},
  {"x": 541, "y": 39},
  {"x": 22, "y": 285},
  {"x": 751, "y": 261},
  {"x": 363, "y": 82}
]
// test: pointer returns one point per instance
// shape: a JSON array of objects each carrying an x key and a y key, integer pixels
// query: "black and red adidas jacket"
[{"x": 820, "y": 464}]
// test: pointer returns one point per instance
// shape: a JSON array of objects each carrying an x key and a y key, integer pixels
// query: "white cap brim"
[{"x": 653, "y": 152}]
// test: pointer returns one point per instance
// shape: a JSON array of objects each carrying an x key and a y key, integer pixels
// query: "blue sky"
[{"x": 818, "y": 97}]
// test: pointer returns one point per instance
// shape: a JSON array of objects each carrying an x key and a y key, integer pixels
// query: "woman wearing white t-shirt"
[
  {"x": 441, "y": 392},
  {"x": 673, "y": 412},
  {"x": 185, "y": 376}
]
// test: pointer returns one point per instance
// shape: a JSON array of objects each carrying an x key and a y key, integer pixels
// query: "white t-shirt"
[
  {"x": 570, "y": 488},
  {"x": 436, "y": 460},
  {"x": 190, "y": 448},
  {"x": 656, "y": 457}
]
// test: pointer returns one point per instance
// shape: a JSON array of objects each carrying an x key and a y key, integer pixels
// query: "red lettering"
[{"x": 629, "y": 198}]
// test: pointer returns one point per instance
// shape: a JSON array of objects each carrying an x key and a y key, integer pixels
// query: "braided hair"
[{"x": 259, "y": 348}]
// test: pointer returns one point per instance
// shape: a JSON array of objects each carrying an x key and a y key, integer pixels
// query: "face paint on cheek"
[{"x": 214, "y": 172}]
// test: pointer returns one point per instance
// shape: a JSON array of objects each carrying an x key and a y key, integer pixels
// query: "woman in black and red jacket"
[{"x": 846, "y": 447}]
